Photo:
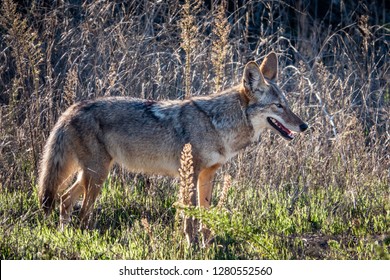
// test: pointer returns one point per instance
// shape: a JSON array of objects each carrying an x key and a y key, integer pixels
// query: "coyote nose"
[{"x": 303, "y": 127}]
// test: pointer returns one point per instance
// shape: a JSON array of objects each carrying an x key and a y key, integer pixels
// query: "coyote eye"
[{"x": 279, "y": 105}]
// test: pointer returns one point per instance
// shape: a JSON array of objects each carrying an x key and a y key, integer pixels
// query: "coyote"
[{"x": 148, "y": 136}]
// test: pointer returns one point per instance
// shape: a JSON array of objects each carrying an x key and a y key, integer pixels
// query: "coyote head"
[{"x": 267, "y": 105}]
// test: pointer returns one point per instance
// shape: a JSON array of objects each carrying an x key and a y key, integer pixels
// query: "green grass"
[{"x": 257, "y": 222}]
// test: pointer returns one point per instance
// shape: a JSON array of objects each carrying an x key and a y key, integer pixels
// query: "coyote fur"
[{"x": 148, "y": 136}]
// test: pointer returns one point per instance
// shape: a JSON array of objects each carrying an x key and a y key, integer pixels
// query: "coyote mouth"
[{"x": 284, "y": 131}]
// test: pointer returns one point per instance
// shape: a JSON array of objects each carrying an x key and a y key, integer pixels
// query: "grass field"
[
  {"x": 256, "y": 222},
  {"x": 325, "y": 195}
]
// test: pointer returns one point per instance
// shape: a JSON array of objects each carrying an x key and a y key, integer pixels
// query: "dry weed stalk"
[
  {"x": 220, "y": 47},
  {"x": 186, "y": 172},
  {"x": 146, "y": 226},
  {"x": 70, "y": 86},
  {"x": 227, "y": 183},
  {"x": 189, "y": 33}
]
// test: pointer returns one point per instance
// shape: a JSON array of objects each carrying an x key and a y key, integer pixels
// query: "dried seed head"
[{"x": 186, "y": 173}]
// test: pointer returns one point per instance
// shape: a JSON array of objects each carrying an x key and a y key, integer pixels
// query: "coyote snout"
[
  {"x": 287, "y": 124},
  {"x": 148, "y": 137}
]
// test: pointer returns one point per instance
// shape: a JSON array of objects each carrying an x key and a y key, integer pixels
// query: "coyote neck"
[{"x": 227, "y": 114}]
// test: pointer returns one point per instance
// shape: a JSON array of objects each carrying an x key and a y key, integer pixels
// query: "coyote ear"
[
  {"x": 252, "y": 78},
  {"x": 269, "y": 67}
]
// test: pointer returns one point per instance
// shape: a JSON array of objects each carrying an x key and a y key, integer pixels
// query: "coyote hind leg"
[
  {"x": 95, "y": 166},
  {"x": 68, "y": 199},
  {"x": 92, "y": 182}
]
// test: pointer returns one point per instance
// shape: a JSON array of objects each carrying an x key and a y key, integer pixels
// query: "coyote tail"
[{"x": 55, "y": 168}]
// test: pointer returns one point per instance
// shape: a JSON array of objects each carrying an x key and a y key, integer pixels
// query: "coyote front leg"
[{"x": 205, "y": 190}]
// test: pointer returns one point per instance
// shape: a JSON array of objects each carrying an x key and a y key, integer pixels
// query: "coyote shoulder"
[{"x": 148, "y": 136}]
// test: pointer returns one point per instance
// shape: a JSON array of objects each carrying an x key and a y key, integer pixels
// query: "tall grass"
[{"x": 334, "y": 66}]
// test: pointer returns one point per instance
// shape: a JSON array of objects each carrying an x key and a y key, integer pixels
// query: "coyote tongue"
[{"x": 284, "y": 131}]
